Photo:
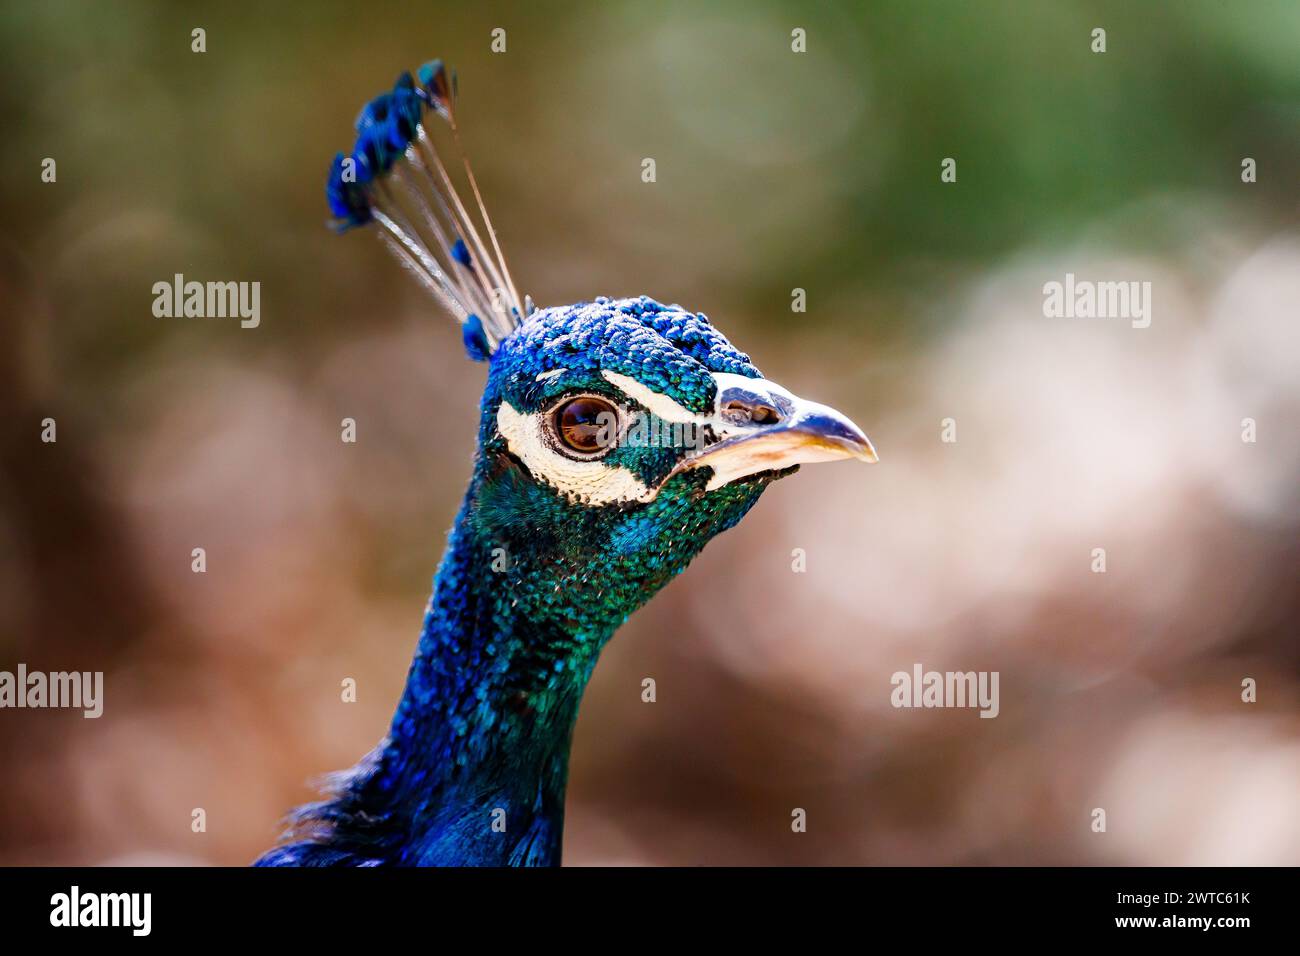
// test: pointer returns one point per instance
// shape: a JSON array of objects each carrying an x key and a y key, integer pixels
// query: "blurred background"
[{"x": 775, "y": 171}]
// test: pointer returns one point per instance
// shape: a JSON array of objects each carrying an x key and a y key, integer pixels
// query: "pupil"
[{"x": 584, "y": 425}]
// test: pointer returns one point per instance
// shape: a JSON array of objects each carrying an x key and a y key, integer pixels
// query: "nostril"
[
  {"x": 744, "y": 413},
  {"x": 736, "y": 412}
]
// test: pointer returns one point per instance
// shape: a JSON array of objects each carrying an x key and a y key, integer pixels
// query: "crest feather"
[{"x": 395, "y": 180}]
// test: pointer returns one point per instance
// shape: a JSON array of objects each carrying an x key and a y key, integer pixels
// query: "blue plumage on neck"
[
  {"x": 477, "y": 754},
  {"x": 532, "y": 585},
  {"x": 474, "y": 767}
]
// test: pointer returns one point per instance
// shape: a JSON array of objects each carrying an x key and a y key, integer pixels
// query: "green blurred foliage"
[{"x": 776, "y": 169}]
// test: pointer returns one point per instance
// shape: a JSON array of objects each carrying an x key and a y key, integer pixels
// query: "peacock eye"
[{"x": 587, "y": 425}]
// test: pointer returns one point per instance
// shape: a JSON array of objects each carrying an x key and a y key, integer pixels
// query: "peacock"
[{"x": 616, "y": 437}]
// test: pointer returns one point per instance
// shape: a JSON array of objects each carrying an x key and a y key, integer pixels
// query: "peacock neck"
[
  {"x": 530, "y": 589},
  {"x": 478, "y": 750}
]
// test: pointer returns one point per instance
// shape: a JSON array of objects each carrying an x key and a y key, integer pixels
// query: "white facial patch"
[
  {"x": 596, "y": 482},
  {"x": 759, "y": 386},
  {"x": 588, "y": 482},
  {"x": 656, "y": 403}
]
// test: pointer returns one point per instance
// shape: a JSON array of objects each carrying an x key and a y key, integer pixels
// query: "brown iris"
[{"x": 586, "y": 424}]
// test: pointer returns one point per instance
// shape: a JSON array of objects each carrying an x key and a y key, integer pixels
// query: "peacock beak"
[{"x": 764, "y": 427}]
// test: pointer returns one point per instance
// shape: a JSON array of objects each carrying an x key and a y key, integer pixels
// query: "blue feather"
[
  {"x": 461, "y": 254},
  {"x": 476, "y": 343}
]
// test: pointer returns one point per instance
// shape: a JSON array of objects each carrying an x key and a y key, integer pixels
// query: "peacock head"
[{"x": 617, "y": 436}]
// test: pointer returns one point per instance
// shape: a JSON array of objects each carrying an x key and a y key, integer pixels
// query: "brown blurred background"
[{"x": 776, "y": 171}]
